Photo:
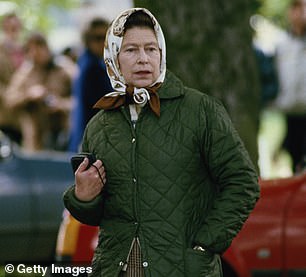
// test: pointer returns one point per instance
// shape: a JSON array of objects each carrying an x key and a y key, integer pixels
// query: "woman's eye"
[
  {"x": 152, "y": 49},
  {"x": 130, "y": 50}
]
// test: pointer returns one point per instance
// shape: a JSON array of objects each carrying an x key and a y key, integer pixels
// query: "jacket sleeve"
[
  {"x": 234, "y": 176},
  {"x": 89, "y": 213}
]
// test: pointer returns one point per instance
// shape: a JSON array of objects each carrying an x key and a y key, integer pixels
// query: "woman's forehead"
[{"x": 139, "y": 35}]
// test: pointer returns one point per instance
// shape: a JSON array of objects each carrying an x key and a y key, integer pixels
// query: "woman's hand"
[{"x": 89, "y": 183}]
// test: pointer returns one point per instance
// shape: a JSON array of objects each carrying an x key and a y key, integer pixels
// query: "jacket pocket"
[{"x": 198, "y": 264}]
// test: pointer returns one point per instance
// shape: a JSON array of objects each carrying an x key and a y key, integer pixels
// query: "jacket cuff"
[
  {"x": 70, "y": 197},
  {"x": 89, "y": 213}
]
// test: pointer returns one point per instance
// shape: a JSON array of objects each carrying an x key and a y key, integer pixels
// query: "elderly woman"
[{"x": 176, "y": 183}]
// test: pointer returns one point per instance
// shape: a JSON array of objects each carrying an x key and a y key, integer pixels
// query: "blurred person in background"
[
  {"x": 267, "y": 77},
  {"x": 290, "y": 59},
  {"x": 67, "y": 58},
  {"x": 40, "y": 96},
  {"x": 71, "y": 53},
  {"x": 11, "y": 57},
  {"x": 92, "y": 81}
]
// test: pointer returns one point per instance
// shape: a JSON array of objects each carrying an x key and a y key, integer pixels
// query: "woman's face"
[{"x": 139, "y": 57}]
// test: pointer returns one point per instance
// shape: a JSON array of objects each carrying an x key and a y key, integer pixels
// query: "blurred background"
[
  {"x": 209, "y": 45},
  {"x": 62, "y": 20}
]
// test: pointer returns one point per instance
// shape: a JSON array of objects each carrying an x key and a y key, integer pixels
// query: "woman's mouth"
[{"x": 143, "y": 72}]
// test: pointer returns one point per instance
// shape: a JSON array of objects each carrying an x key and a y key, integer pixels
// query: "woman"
[{"x": 179, "y": 183}]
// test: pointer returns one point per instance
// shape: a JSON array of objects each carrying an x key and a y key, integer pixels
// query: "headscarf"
[{"x": 112, "y": 48}]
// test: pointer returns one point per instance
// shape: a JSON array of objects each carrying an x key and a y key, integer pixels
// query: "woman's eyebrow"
[{"x": 153, "y": 43}]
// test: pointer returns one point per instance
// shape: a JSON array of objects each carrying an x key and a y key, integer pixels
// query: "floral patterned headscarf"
[{"x": 113, "y": 43}]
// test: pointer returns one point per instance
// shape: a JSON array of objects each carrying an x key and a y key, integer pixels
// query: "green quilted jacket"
[{"x": 180, "y": 180}]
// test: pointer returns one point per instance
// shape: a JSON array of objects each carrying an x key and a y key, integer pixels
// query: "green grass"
[{"x": 273, "y": 161}]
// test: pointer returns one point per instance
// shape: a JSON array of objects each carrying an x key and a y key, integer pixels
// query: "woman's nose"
[{"x": 143, "y": 57}]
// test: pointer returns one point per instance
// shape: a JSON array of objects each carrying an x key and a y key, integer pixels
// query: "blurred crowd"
[{"x": 46, "y": 99}]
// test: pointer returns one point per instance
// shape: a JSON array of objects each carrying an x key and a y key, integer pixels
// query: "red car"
[{"x": 271, "y": 243}]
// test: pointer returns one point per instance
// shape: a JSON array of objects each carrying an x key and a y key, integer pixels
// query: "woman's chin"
[{"x": 142, "y": 83}]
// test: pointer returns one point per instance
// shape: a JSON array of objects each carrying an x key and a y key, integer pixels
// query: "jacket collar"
[{"x": 172, "y": 87}]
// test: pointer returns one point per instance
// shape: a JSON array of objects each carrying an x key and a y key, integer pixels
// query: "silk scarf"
[{"x": 123, "y": 93}]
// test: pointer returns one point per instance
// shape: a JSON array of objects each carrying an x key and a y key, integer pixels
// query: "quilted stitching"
[{"x": 171, "y": 201}]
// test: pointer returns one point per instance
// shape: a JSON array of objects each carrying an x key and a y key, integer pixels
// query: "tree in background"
[{"x": 209, "y": 46}]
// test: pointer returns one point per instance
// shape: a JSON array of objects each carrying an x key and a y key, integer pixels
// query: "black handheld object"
[{"x": 79, "y": 158}]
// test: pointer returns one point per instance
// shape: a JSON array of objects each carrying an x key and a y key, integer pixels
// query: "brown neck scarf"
[{"x": 132, "y": 96}]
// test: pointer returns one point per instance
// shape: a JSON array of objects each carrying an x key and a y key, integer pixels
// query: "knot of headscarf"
[{"x": 132, "y": 95}]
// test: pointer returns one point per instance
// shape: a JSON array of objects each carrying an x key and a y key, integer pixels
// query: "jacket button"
[
  {"x": 145, "y": 264},
  {"x": 133, "y": 140}
]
